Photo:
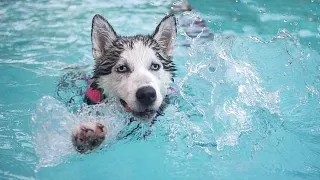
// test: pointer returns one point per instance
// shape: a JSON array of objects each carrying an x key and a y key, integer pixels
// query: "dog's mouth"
[
  {"x": 125, "y": 105},
  {"x": 146, "y": 114}
]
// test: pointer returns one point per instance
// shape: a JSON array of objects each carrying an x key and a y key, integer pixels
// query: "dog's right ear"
[
  {"x": 102, "y": 36},
  {"x": 166, "y": 32}
]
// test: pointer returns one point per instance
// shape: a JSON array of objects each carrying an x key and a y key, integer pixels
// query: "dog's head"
[{"x": 136, "y": 69}]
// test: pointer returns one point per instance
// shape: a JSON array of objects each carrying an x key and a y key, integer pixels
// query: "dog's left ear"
[{"x": 165, "y": 33}]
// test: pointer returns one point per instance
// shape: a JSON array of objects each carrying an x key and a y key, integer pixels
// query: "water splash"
[
  {"x": 236, "y": 92},
  {"x": 255, "y": 100},
  {"x": 51, "y": 128},
  {"x": 52, "y": 125}
]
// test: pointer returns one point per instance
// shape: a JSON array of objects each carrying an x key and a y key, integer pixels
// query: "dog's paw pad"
[{"x": 88, "y": 136}]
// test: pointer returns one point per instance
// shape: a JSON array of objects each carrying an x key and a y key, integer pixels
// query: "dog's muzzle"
[
  {"x": 146, "y": 114},
  {"x": 146, "y": 97}
]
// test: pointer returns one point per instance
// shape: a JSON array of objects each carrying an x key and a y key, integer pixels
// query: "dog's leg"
[{"x": 88, "y": 136}]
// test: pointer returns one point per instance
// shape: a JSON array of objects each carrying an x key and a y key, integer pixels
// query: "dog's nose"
[{"x": 146, "y": 95}]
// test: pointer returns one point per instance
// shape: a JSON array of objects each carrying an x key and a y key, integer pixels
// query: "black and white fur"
[
  {"x": 126, "y": 64},
  {"x": 137, "y": 70}
]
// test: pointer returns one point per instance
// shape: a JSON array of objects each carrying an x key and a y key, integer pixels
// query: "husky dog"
[{"x": 137, "y": 70}]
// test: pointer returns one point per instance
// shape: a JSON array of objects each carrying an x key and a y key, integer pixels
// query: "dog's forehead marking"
[{"x": 139, "y": 54}]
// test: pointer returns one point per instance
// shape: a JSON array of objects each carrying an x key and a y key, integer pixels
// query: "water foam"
[
  {"x": 230, "y": 92},
  {"x": 52, "y": 125}
]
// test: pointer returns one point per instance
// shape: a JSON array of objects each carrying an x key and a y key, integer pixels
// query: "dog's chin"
[{"x": 145, "y": 116}]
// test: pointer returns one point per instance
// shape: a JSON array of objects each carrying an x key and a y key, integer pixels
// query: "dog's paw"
[{"x": 88, "y": 136}]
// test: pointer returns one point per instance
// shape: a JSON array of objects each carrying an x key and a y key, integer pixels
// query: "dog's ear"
[
  {"x": 165, "y": 33},
  {"x": 102, "y": 36}
]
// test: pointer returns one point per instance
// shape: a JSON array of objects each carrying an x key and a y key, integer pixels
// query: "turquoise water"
[{"x": 248, "y": 104}]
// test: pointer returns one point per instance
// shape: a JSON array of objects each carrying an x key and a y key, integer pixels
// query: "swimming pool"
[{"x": 248, "y": 106}]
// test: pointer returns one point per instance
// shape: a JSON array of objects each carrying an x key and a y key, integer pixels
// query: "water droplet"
[
  {"x": 212, "y": 69},
  {"x": 209, "y": 21},
  {"x": 285, "y": 21},
  {"x": 312, "y": 1},
  {"x": 309, "y": 44},
  {"x": 296, "y": 23}
]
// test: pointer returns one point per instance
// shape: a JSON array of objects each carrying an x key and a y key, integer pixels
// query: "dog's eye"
[
  {"x": 122, "y": 69},
  {"x": 155, "y": 67}
]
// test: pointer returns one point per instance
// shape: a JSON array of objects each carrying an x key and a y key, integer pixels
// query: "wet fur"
[{"x": 138, "y": 53}]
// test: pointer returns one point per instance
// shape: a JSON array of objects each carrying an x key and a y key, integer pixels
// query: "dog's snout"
[{"x": 146, "y": 95}]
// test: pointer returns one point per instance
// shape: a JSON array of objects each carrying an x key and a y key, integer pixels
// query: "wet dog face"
[{"x": 136, "y": 69}]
